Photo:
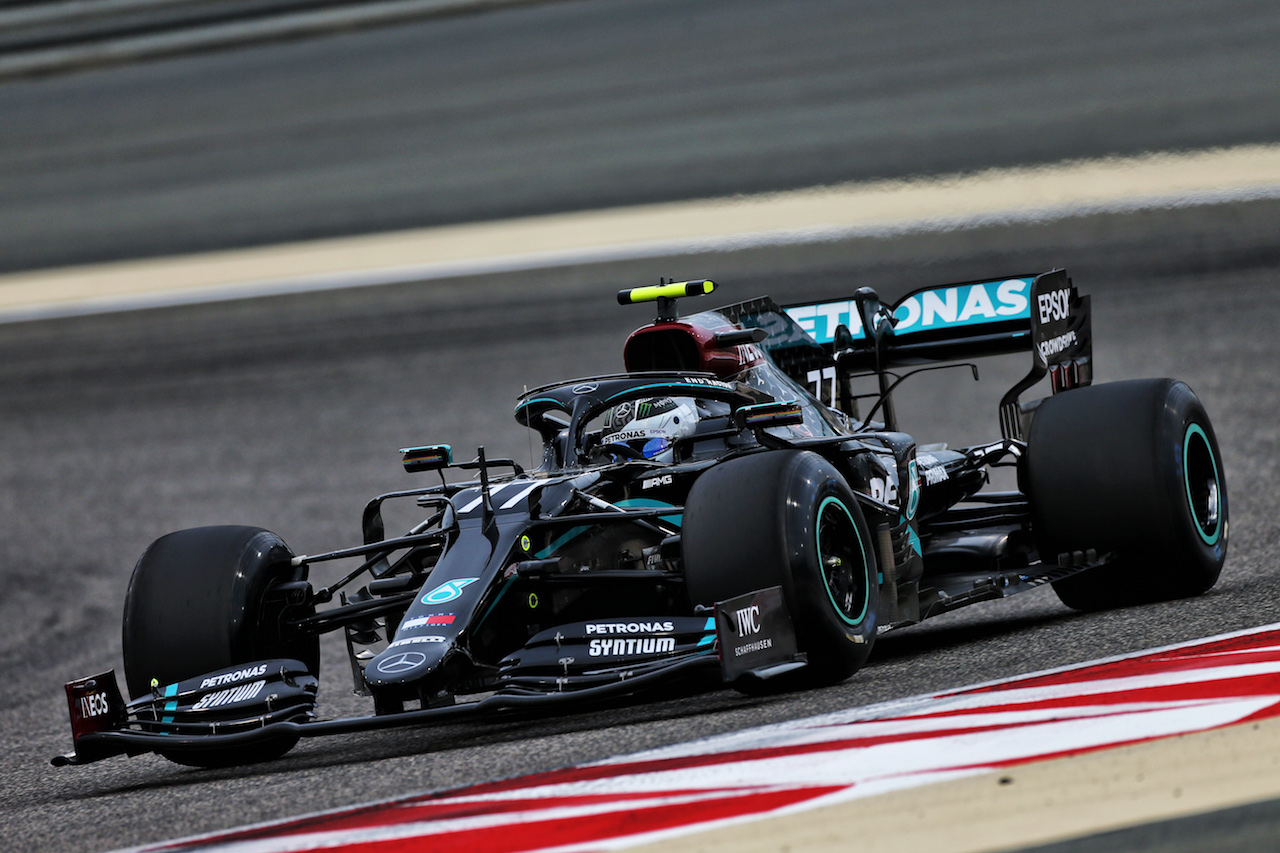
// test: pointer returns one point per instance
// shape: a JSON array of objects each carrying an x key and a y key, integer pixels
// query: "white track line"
[{"x": 823, "y": 214}]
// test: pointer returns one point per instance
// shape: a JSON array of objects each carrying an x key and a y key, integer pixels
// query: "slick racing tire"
[
  {"x": 787, "y": 518},
  {"x": 1131, "y": 469},
  {"x": 200, "y": 601}
]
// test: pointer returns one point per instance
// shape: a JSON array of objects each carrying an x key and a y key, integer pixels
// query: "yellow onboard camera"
[{"x": 665, "y": 294}]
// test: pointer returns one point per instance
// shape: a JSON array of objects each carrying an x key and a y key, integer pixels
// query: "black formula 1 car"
[{"x": 721, "y": 508}]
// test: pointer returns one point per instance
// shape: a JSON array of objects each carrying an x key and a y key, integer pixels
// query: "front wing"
[{"x": 266, "y": 701}]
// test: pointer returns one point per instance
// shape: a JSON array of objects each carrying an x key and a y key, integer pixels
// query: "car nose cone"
[{"x": 395, "y": 666}]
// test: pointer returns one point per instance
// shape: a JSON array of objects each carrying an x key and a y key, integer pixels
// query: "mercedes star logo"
[
  {"x": 402, "y": 662},
  {"x": 585, "y": 388}
]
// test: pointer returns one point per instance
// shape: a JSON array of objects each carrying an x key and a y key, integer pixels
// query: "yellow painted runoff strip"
[{"x": 822, "y": 213}]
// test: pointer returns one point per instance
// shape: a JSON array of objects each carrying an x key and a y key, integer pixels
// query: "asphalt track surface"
[{"x": 287, "y": 412}]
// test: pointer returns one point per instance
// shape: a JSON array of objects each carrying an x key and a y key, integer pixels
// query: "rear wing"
[{"x": 1043, "y": 314}]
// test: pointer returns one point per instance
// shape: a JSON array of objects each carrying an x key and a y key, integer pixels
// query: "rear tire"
[
  {"x": 789, "y": 519},
  {"x": 198, "y": 602},
  {"x": 1132, "y": 468}
]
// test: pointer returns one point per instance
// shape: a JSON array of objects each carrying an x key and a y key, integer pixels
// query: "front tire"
[
  {"x": 199, "y": 601},
  {"x": 1132, "y": 468},
  {"x": 789, "y": 519}
]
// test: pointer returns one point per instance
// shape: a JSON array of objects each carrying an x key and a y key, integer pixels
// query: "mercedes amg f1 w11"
[{"x": 729, "y": 507}]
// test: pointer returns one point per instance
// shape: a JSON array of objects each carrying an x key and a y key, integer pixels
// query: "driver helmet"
[{"x": 651, "y": 427}]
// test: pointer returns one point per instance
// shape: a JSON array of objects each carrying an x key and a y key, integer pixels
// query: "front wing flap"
[
  {"x": 587, "y": 654},
  {"x": 242, "y": 699}
]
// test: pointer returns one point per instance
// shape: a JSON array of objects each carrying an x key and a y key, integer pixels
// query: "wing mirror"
[
  {"x": 765, "y": 415},
  {"x": 434, "y": 457}
]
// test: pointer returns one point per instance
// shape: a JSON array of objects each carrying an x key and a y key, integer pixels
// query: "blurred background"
[{"x": 517, "y": 108}]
